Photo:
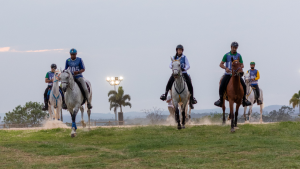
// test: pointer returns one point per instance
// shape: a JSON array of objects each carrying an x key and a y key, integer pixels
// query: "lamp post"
[{"x": 114, "y": 81}]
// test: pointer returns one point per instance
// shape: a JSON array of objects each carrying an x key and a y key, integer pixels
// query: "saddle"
[{"x": 81, "y": 89}]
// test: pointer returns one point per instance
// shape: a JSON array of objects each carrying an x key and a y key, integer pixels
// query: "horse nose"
[
  {"x": 64, "y": 89},
  {"x": 242, "y": 73}
]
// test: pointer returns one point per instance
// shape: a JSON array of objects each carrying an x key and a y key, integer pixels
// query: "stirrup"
[
  {"x": 45, "y": 108},
  {"x": 246, "y": 103},
  {"x": 219, "y": 103},
  {"x": 64, "y": 106},
  {"x": 163, "y": 97},
  {"x": 89, "y": 106},
  {"x": 193, "y": 100}
]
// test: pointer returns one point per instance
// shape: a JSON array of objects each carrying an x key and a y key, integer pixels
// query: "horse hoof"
[
  {"x": 73, "y": 135},
  {"x": 183, "y": 126},
  {"x": 232, "y": 130},
  {"x": 236, "y": 127},
  {"x": 179, "y": 127}
]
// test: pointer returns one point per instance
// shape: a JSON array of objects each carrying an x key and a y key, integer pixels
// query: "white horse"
[
  {"x": 55, "y": 99},
  {"x": 179, "y": 92},
  {"x": 251, "y": 98},
  {"x": 74, "y": 98}
]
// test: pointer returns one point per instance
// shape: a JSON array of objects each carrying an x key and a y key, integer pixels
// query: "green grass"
[{"x": 274, "y": 145}]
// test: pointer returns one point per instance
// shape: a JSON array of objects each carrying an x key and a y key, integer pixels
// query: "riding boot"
[
  {"x": 259, "y": 102},
  {"x": 245, "y": 101},
  {"x": 86, "y": 92},
  {"x": 191, "y": 89},
  {"x": 64, "y": 106},
  {"x": 163, "y": 97},
  {"x": 222, "y": 88},
  {"x": 45, "y": 108}
]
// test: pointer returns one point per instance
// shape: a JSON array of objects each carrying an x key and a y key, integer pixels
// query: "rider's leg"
[
  {"x": 190, "y": 87},
  {"x": 245, "y": 101},
  {"x": 64, "y": 106},
  {"x": 86, "y": 91},
  {"x": 46, "y": 100},
  {"x": 222, "y": 88},
  {"x": 258, "y": 94},
  {"x": 168, "y": 87}
]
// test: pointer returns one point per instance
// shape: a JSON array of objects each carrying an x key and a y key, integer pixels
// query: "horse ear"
[
  {"x": 172, "y": 59},
  {"x": 231, "y": 59},
  {"x": 60, "y": 69}
]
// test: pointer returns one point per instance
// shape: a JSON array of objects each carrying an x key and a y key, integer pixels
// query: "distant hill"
[{"x": 132, "y": 115}]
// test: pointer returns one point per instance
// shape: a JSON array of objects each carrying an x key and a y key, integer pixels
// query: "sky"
[{"x": 135, "y": 39}]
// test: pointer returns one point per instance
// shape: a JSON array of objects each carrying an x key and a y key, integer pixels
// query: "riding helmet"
[
  {"x": 179, "y": 47},
  {"x": 234, "y": 44},
  {"x": 53, "y": 66},
  {"x": 73, "y": 51},
  {"x": 252, "y": 63}
]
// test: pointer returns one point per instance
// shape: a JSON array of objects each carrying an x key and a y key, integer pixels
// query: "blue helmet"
[{"x": 73, "y": 51}]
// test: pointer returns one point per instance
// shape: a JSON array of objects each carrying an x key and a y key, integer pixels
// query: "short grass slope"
[{"x": 274, "y": 145}]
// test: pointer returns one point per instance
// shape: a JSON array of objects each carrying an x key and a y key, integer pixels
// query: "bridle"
[
  {"x": 67, "y": 83},
  {"x": 235, "y": 72},
  {"x": 179, "y": 75}
]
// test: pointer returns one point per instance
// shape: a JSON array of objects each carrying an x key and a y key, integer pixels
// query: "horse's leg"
[
  {"x": 261, "y": 114},
  {"x": 224, "y": 108},
  {"x": 82, "y": 120},
  {"x": 50, "y": 111},
  {"x": 236, "y": 114},
  {"x": 74, "y": 127},
  {"x": 183, "y": 116},
  {"x": 177, "y": 116},
  {"x": 89, "y": 115},
  {"x": 231, "y": 115},
  {"x": 250, "y": 112},
  {"x": 245, "y": 110}
]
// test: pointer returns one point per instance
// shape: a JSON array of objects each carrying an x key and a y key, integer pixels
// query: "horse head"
[
  {"x": 66, "y": 78},
  {"x": 176, "y": 67},
  {"x": 237, "y": 69},
  {"x": 247, "y": 77}
]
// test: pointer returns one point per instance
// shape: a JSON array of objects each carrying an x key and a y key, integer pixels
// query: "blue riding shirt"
[
  {"x": 75, "y": 65},
  {"x": 227, "y": 59},
  {"x": 184, "y": 63}
]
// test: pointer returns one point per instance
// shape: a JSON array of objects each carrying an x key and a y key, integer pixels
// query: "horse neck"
[
  {"x": 55, "y": 88},
  {"x": 236, "y": 80},
  {"x": 247, "y": 86},
  {"x": 179, "y": 83}
]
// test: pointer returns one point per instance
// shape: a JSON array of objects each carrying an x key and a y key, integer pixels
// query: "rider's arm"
[
  {"x": 81, "y": 67},
  {"x": 242, "y": 62},
  {"x": 67, "y": 65},
  {"x": 187, "y": 64},
  {"x": 257, "y": 76},
  {"x": 48, "y": 81},
  {"x": 222, "y": 65}
]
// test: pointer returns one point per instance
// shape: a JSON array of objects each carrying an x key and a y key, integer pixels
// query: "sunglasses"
[{"x": 53, "y": 67}]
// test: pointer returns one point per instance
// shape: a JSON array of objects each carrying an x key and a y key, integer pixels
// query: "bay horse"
[{"x": 235, "y": 92}]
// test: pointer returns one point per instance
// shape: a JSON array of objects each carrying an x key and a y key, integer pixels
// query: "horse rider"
[
  {"x": 226, "y": 78},
  {"x": 49, "y": 79},
  {"x": 77, "y": 67},
  {"x": 185, "y": 65},
  {"x": 254, "y": 76}
]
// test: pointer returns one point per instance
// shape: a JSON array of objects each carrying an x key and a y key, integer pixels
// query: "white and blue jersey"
[
  {"x": 227, "y": 59},
  {"x": 75, "y": 65},
  {"x": 50, "y": 76},
  {"x": 184, "y": 63}
]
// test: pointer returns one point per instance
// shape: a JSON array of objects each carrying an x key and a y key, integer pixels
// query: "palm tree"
[
  {"x": 295, "y": 100},
  {"x": 118, "y": 99}
]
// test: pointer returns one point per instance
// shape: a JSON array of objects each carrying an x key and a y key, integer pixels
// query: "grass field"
[{"x": 274, "y": 145}]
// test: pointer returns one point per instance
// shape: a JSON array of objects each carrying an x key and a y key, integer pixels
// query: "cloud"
[
  {"x": 4, "y": 49},
  {"x": 44, "y": 50},
  {"x": 7, "y": 49}
]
